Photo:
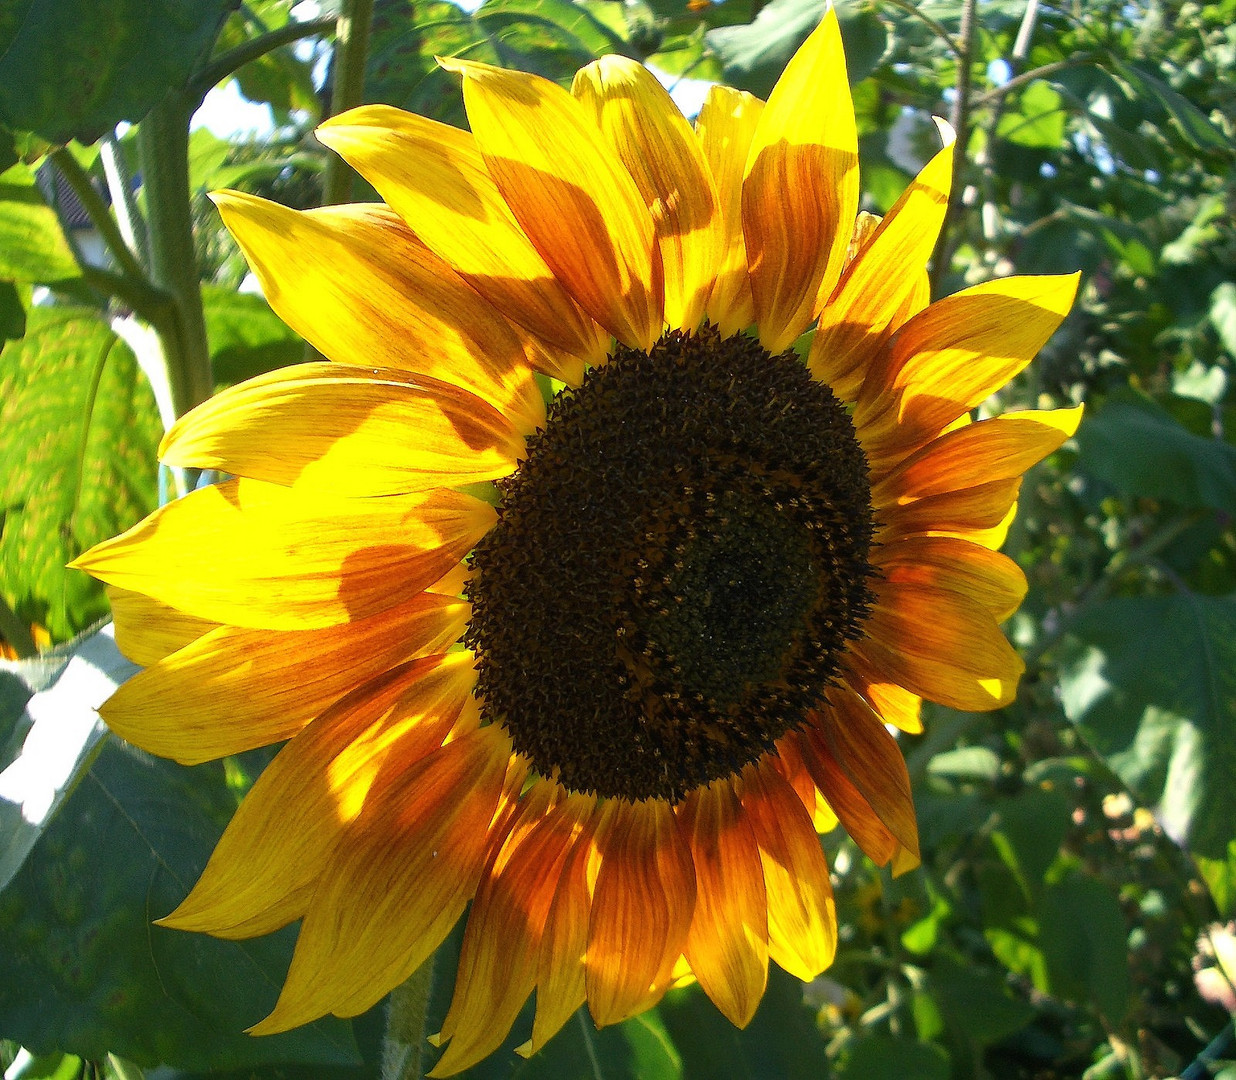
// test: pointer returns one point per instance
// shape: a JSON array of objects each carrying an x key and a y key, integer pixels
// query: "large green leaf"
[
  {"x": 87, "y": 972},
  {"x": 1137, "y": 447},
  {"x": 76, "y": 68},
  {"x": 1085, "y": 941},
  {"x": 1153, "y": 688},
  {"x": 78, "y": 433},
  {"x": 246, "y": 338},
  {"x": 753, "y": 56},
  {"x": 32, "y": 244}
]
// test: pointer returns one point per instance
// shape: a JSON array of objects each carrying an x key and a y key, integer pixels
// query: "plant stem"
[
  {"x": 163, "y": 144},
  {"x": 99, "y": 214},
  {"x": 403, "y": 1046},
  {"x": 228, "y": 63},
  {"x": 937, "y": 28},
  {"x": 120, "y": 184},
  {"x": 960, "y": 120},
  {"x": 351, "y": 50}
]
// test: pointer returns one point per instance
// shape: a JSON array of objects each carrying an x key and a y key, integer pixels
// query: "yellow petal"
[
  {"x": 942, "y": 646},
  {"x": 640, "y": 121},
  {"x": 641, "y": 912},
  {"x": 356, "y": 283},
  {"x": 727, "y": 946},
  {"x": 235, "y": 689},
  {"x": 147, "y": 631},
  {"x": 498, "y": 960},
  {"x": 433, "y": 176},
  {"x": 950, "y": 357},
  {"x": 725, "y": 126},
  {"x": 857, "y": 739},
  {"x": 273, "y": 852},
  {"x": 946, "y": 562},
  {"x": 997, "y": 449},
  {"x": 856, "y": 814},
  {"x": 800, "y": 192},
  {"x": 396, "y": 882},
  {"x": 570, "y": 195},
  {"x": 269, "y": 557},
  {"x": 802, "y": 919},
  {"x": 347, "y": 431},
  {"x": 858, "y": 318}
]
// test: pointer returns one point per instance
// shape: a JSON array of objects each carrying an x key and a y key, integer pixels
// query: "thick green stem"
[
  {"x": 403, "y": 1047},
  {"x": 163, "y": 143},
  {"x": 233, "y": 60},
  {"x": 351, "y": 50}
]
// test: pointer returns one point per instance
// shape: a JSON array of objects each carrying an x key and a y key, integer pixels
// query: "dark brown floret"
[{"x": 677, "y": 568}]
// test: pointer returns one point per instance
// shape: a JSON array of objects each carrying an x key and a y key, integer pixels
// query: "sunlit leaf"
[
  {"x": 78, "y": 433},
  {"x": 1152, "y": 686},
  {"x": 246, "y": 338},
  {"x": 76, "y": 68},
  {"x": 32, "y": 244}
]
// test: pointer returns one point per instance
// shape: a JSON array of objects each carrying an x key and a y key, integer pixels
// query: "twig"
[{"x": 937, "y": 28}]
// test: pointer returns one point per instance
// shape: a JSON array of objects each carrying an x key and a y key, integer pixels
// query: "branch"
[
  {"x": 234, "y": 59},
  {"x": 1018, "y": 81},
  {"x": 99, "y": 213}
]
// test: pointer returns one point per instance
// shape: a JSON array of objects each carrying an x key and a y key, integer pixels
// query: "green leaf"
[
  {"x": 1085, "y": 940},
  {"x": 885, "y": 1057},
  {"x": 78, "y": 434},
  {"x": 76, "y": 68},
  {"x": 976, "y": 1002},
  {"x": 75, "y": 923},
  {"x": 966, "y": 763},
  {"x": 61, "y": 733},
  {"x": 1137, "y": 447},
  {"x": 246, "y": 338},
  {"x": 32, "y": 245},
  {"x": 753, "y": 56},
  {"x": 1039, "y": 119},
  {"x": 1220, "y": 877},
  {"x": 1192, "y": 123},
  {"x": 1152, "y": 687},
  {"x": 1223, "y": 315}
]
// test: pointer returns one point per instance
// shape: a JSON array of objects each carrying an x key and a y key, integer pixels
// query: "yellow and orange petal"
[{"x": 326, "y": 594}]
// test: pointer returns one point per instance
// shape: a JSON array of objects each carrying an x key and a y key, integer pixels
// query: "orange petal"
[
  {"x": 725, "y": 127},
  {"x": 640, "y": 121},
  {"x": 147, "y": 631},
  {"x": 952, "y": 356},
  {"x": 356, "y": 283},
  {"x": 987, "y": 577},
  {"x": 236, "y": 689},
  {"x": 397, "y": 882},
  {"x": 802, "y": 919},
  {"x": 247, "y": 553},
  {"x": 981, "y": 507},
  {"x": 560, "y": 988},
  {"x": 727, "y": 946},
  {"x": 895, "y": 704},
  {"x": 789, "y": 763},
  {"x": 854, "y": 811},
  {"x": 855, "y": 736},
  {"x": 498, "y": 961},
  {"x": 881, "y": 280},
  {"x": 570, "y": 195},
  {"x": 641, "y": 912},
  {"x": 942, "y": 646},
  {"x": 273, "y": 853},
  {"x": 433, "y": 176},
  {"x": 800, "y": 192},
  {"x": 997, "y": 449},
  {"x": 345, "y": 431}
]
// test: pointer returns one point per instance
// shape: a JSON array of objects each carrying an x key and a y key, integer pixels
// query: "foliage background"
[{"x": 1076, "y": 844}]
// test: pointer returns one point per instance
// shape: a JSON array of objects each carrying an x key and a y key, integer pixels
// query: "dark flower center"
[{"x": 677, "y": 568}]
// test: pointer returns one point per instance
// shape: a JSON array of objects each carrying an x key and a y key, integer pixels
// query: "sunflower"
[{"x": 578, "y": 594}]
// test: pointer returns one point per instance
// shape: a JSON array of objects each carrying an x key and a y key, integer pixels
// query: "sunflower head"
[{"x": 577, "y": 593}]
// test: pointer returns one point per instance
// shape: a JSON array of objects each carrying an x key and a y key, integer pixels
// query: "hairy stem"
[
  {"x": 403, "y": 1047},
  {"x": 960, "y": 120},
  {"x": 351, "y": 50},
  {"x": 228, "y": 63}
]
